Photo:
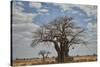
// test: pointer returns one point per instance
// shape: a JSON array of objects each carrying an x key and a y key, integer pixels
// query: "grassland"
[{"x": 39, "y": 61}]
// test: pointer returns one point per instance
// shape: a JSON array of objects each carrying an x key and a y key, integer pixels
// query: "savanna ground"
[{"x": 39, "y": 61}]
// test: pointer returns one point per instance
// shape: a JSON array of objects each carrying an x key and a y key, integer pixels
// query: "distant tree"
[
  {"x": 44, "y": 54},
  {"x": 63, "y": 33},
  {"x": 47, "y": 53},
  {"x": 53, "y": 56},
  {"x": 77, "y": 55},
  {"x": 17, "y": 59},
  {"x": 94, "y": 54},
  {"x": 24, "y": 58}
]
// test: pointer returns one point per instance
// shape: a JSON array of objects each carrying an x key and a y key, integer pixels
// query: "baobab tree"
[
  {"x": 63, "y": 33},
  {"x": 44, "y": 54}
]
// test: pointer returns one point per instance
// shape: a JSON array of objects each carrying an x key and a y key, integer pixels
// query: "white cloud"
[
  {"x": 20, "y": 3},
  {"x": 38, "y": 6},
  {"x": 90, "y": 34},
  {"x": 75, "y": 12},
  {"x": 88, "y": 19},
  {"x": 92, "y": 27},
  {"x": 16, "y": 8},
  {"x": 47, "y": 13},
  {"x": 35, "y": 5},
  {"x": 21, "y": 17},
  {"x": 89, "y": 9},
  {"x": 22, "y": 28},
  {"x": 22, "y": 22},
  {"x": 63, "y": 6},
  {"x": 21, "y": 32},
  {"x": 43, "y": 10}
]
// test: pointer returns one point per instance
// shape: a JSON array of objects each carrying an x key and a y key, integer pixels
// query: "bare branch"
[{"x": 75, "y": 39}]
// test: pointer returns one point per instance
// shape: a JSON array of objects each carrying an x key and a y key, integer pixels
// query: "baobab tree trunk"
[
  {"x": 67, "y": 52},
  {"x": 62, "y": 50},
  {"x": 61, "y": 53},
  {"x": 57, "y": 48},
  {"x": 60, "y": 57}
]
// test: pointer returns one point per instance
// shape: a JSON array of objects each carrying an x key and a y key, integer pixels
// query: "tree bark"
[
  {"x": 58, "y": 52},
  {"x": 58, "y": 57},
  {"x": 62, "y": 56},
  {"x": 66, "y": 52},
  {"x": 62, "y": 52}
]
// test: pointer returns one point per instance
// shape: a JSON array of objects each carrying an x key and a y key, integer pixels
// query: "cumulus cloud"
[
  {"x": 88, "y": 19},
  {"x": 22, "y": 22},
  {"x": 63, "y": 6},
  {"x": 39, "y": 8},
  {"x": 92, "y": 27},
  {"x": 23, "y": 33},
  {"x": 16, "y": 8},
  {"x": 35, "y": 5},
  {"x": 75, "y": 12},
  {"x": 20, "y": 3},
  {"x": 91, "y": 34},
  {"x": 22, "y": 28},
  {"x": 43, "y": 10},
  {"x": 21, "y": 17},
  {"x": 88, "y": 9}
]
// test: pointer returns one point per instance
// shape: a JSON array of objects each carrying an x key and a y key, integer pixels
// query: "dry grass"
[{"x": 53, "y": 61}]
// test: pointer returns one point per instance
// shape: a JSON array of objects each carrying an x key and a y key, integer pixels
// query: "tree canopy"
[{"x": 62, "y": 32}]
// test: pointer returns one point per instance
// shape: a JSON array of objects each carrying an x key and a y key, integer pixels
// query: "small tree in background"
[{"x": 44, "y": 54}]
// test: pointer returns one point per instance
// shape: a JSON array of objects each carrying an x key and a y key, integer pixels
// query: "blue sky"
[{"x": 28, "y": 16}]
